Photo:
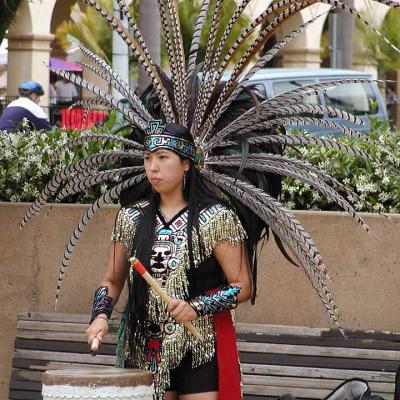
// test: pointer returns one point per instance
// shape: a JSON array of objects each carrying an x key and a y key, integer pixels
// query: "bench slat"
[
  {"x": 273, "y": 348},
  {"x": 279, "y": 330},
  {"x": 60, "y": 336},
  {"x": 307, "y": 372},
  {"x": 68, "y": 357},
  {"x": 297, "y": 392},
  {"x": 325, "y": 362},
  {"x": 298, "y": 382}
]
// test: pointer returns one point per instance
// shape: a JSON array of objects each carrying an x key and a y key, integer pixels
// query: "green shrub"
[
  {"x": 25, "y": 168},
  {"x": 377, "y": 182}
]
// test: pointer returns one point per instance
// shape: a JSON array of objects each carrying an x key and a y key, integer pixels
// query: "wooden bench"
[{"x": 306, "y": 362}]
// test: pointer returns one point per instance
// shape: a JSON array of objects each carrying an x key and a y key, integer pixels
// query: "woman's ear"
[{"x": 186, "y": 165}]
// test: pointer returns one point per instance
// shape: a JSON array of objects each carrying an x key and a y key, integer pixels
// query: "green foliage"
[
  {"x": 27, "y": 164},
  {"x": 8, "y": 8},
  {"x": 377, "y": 182},
  {"x": 90, "y": 29},
  {"x": 371, "y": 48}
]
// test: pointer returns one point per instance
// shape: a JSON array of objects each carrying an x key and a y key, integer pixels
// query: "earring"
[{"x": 184, "y": 181}]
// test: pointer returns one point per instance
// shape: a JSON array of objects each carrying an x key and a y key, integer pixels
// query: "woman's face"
[{"x": 165, "y": 170}]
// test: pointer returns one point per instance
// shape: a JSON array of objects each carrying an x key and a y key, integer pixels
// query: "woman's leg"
[
  {"x": 199, "y": 396},
  {"x": 170, "y": 396}
]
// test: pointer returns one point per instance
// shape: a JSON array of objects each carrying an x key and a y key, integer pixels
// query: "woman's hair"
[{"x": 198, "y": 195}]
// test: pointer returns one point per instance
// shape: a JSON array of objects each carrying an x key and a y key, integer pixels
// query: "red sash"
[{"x": 227, "y": 357}]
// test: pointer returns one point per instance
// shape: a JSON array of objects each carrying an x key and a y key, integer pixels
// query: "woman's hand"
[
  {"x": 96, "y": 332},
  {"x": 181, "y": 311}
]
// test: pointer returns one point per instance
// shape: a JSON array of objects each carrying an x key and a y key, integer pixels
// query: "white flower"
[
  {"x": 103, "y": 188},
  {"x": 290, "y": 205},
  {"x": 384, "y": 196},
  {"x": 15, "y": 198}
]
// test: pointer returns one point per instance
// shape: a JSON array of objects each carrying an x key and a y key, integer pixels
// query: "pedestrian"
[{"x": 25, "y": 108}]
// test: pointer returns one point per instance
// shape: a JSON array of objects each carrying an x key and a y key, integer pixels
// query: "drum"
[{"x": 98, "y": 383}]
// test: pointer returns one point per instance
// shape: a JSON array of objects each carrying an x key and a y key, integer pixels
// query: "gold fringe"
[
  {"x": 217, "y": 223},
  {"x": 125, "y": 225}
]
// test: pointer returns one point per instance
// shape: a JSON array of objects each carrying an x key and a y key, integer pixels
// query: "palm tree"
[{"x": 8, "y": 9}]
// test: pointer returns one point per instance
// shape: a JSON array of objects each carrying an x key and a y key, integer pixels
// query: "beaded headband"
[{"x": 158, "y": 137}]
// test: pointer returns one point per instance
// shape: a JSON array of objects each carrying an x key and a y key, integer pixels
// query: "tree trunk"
[{"x": 150, "y": 27}]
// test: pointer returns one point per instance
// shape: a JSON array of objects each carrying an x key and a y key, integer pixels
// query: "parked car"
[{"x": 356, "y": 98}]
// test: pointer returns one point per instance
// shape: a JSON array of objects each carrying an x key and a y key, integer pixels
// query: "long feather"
[
  {"x": 266, "y": 112},
  {"x": 224, "y": 103},
  {"x": 56, "y": 182},
  {"x": 194, "y": 47},
  {"x": 78, "y": 185},
  {"x": 311, "y": 270},
  {"x": 299, "y": 121},
  {"x": 255, "y": 46},
  {"x": 180, "y": 57},
  {"x": 310, "y": 140},
  {"x": 134, "y": 102},
  {"x": 142, "y": 56},
  {"x": 91, "y": 137},
  {"x": 111, "y": 101},
  {"x": 133, "y": 98},
  {"x": 206, "y": 73},
  {"x": 206, "y": 85},
  {"x": 172, "y": 57},
  {"x": 294, "y": 168},
  {"x": 108, "y": 197},
  {"x": 356, "y": 14}
]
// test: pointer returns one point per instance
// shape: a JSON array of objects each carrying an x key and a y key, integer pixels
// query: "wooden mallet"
[{"x": 164, "y": 296}]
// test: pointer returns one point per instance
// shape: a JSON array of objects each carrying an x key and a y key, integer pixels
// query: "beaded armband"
[
  {"x": 102, "y": 303},
  {"x": 222, "y": 299}
]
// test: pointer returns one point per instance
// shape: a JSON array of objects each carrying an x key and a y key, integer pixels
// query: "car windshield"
[
  {"x": 284, "y": 86},
  {"x": 352, "y": 97}
]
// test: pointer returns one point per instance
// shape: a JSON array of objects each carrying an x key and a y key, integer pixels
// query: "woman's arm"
[
  {"x": 234, "y": 262},
  {"x": 116, "y": 272},
  {"x": 114, "y": 280}
]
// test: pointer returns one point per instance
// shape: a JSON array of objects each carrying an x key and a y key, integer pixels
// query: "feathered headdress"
[{"x": 237, "y": 148}]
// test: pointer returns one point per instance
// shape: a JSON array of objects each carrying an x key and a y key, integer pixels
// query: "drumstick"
[{"x": 164, "y": 296}]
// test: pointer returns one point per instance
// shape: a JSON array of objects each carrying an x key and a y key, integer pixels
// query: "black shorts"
[{"x": 188, "y": 380}]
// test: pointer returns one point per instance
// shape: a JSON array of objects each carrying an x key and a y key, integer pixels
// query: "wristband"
[
  {"x": 222, "y": 299},
  {"x": 102, "y": 303}
]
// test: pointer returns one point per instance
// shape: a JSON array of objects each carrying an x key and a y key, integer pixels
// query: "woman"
[{"x": 194, "y": 245}]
